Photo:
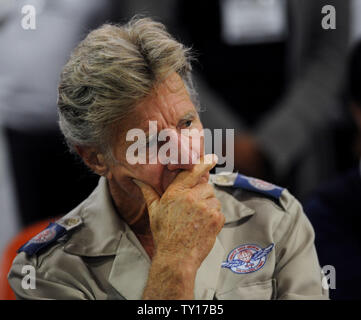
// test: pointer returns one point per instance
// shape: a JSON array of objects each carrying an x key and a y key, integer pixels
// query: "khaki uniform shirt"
[{"x": 264, "y": 251}]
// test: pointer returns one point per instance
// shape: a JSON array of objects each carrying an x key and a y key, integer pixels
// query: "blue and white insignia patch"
[
  {"x": 51, "y": 233},
  {"x": 258, "y": 185},
  {"x": 247, "y": 258},
  {"x": 237, "y": 180}
]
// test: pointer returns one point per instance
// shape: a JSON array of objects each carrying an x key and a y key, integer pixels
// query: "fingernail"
[
  {"x": 210, "y": 158},
  {"x": 215, "y": 158}
]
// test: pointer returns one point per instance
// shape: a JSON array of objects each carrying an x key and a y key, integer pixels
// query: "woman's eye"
[{"x": 188, "y": 123}]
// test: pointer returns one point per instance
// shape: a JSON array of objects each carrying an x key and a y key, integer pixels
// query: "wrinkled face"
[{"x": 172, "y": 109}]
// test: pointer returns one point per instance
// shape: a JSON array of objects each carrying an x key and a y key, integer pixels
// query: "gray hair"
[{"x": 109, "y": 72}]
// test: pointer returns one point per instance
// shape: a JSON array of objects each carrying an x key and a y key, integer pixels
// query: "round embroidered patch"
[
  {"x": 247, "y": 258},
  {"x": 44, "y": 236},
  {"x": 260, "y": 184}
]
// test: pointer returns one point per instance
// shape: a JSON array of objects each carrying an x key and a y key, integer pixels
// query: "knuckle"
[
  {"x": 189, "y": 197},
  {"x": 213, "y": 215},
  {"x": 217, "y": 216},
  {"x": 202, "y": 206},
  {"x": 214, "y": 225}
]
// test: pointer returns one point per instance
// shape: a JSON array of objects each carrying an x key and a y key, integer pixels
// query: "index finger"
[{"x": 189, "y": 178}]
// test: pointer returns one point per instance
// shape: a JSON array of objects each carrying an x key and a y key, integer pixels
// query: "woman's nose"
[
  {"x": 182, "y": 153},
  {"x": 184, "y": 165}
]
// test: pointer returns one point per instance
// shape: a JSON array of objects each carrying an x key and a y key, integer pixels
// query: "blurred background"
[{"x": 280, "y": 72}]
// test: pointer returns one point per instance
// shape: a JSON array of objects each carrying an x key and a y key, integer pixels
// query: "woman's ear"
[{"x": 93, "y": 159}]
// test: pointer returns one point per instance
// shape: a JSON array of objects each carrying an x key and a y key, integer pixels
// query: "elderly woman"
[{"x": 159, "y": 230}]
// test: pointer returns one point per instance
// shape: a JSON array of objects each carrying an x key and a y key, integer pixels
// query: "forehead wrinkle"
[
  {"x": 152, "y": 111},
  {"x": 162, "y": 105},
  {"x": 167, "y": 105},
  {"x": 168, "y": 109},
  {"x": 173, "y": 100},
  {"x": 174, "y": 83}
]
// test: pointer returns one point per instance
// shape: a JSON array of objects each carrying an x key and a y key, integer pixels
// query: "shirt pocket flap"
[{"x": 265, "y": 290}]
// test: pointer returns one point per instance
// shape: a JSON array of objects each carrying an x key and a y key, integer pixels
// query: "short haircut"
[{"x": 109, "y": 72}]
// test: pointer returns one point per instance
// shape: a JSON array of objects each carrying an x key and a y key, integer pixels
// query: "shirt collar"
[
  {"x": 232, "y": 208},
  {"x": 101, "y": 228},
  {"x": 102, "y": 233}
]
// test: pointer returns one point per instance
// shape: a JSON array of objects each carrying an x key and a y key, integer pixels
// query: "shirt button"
[{"x": 71, "y": 221}]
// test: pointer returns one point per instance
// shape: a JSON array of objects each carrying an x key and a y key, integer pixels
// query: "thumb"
[{"x": 151, "y": 197}]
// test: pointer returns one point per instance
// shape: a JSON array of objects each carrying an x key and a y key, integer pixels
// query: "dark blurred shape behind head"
[{"x": 354, "y": 85}]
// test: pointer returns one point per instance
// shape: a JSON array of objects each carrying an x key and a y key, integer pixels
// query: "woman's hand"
[{"x": 184, "y": 222}]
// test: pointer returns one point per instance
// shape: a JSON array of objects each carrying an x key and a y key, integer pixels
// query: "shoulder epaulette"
[
  {"x": 51, "y": 233},
  {"x": 237, "y": 180}
]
